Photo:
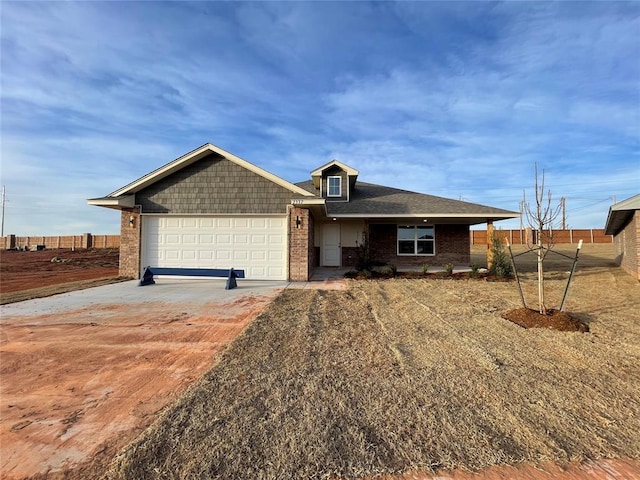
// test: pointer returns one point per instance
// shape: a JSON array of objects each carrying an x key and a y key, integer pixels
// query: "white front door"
[{"x": 331, "y": 245}]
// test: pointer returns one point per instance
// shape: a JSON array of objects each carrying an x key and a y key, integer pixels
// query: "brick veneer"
[
  {"x": 452, "y": 246},
  {"x": 627, "y": 243},
  {"x": 130, "y": 242},
  {"x": 301, "y": 250}
]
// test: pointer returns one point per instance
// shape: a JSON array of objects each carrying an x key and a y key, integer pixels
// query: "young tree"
[{"x": 541, "y": 219}]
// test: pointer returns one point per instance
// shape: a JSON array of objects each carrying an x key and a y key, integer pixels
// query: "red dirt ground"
[
  {"x": 27, "y": 270},
  {"x": 78, "y": 386}
]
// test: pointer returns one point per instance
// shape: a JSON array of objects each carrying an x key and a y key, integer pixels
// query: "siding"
[
  {"x": 335, "y": 171},
  {"x": 214, "y": 185}
]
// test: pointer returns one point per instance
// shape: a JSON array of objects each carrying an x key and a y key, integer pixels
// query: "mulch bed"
[
  {"x": 360, "y": 275},
  {"x": 554, "y": 319}
]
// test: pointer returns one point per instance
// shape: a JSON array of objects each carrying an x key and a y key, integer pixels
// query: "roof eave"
[
  {"x": 449, "y": 218},
  {"x": 117, "y": 203}
]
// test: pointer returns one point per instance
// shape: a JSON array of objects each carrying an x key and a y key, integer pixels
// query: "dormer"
[{"x": 335, "y": 181}]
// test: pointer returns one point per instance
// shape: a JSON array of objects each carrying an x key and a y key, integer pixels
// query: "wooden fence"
[
  {"x": 71, "y": 242},
  {"x": 519, "y": 237}
]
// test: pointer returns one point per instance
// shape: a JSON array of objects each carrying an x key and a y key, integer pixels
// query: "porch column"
[
  {"x": 130, "y": 242},
  {"x": 300, "y": 244},
  {"x": 489, "y": 238}
]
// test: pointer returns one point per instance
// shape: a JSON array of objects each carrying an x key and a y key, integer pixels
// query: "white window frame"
[
  {"x": 329, "y": 194},
  {"x": 415, "y": 241}
]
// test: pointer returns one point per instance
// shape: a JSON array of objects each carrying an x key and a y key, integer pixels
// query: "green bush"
[
  {"x": 474, "y": 270},
  {"x": 501, "y": 266},
  {"x": 448, "y": 268},
  {"x": 425, "y": 268}
]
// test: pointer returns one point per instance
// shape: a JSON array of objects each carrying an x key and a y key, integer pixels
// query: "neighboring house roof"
[
  {"x": 123, "y": 197},
  {"x": 620, "y": 214},
  {"x": 370, "y": 200}
]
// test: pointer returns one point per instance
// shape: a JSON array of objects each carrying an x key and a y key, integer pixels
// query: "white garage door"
[{"x": 257, "y": 245}]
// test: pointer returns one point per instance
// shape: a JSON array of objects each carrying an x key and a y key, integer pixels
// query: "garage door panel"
[
  {"x": 206, "y": 255},
  {"x": 223, "y": 255}
]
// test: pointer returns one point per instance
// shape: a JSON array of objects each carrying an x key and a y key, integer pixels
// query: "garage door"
[{"x": 255, "y": 244}]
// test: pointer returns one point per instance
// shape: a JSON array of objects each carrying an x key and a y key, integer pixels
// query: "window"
[
  {"x": 334, "y": 186},
  {"x": 416, "y": 240}
]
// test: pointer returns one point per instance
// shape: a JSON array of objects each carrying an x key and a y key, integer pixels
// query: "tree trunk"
[{"x": 540, "y": 252}]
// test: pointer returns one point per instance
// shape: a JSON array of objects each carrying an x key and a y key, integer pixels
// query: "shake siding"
[
  {"x": 214, "y": 185},
  {"x": 335, "y": 172}
]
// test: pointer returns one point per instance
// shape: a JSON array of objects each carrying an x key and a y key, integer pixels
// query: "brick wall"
[
  {"x": 130, "y": 233},
  {"x": 301, "y": 250},
  {"x": 627, "y": 243},
  {"x": 452, "y": 246},
  {"x": 350, "y": 256}
]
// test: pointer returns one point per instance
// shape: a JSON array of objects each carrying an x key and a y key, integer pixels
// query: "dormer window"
[{"x": 334, "y": 186}]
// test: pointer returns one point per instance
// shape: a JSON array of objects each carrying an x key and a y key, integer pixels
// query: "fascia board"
[
  {"x": 491, "y": 216},
  {"x": 350, "y": 170},
  {"x": 308, "y": 201}
]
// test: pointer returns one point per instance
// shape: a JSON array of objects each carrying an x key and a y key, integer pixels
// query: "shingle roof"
[
  {"x": 368, "y": 199},
  {"x": 620, "y": 214}
]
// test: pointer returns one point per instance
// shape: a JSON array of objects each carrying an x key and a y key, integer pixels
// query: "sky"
[{"x": 454, "y": 99}]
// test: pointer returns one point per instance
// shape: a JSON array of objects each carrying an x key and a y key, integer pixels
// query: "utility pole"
[
  {"x": 563, "y": 204},
  {"x": 2, "y": 228}
]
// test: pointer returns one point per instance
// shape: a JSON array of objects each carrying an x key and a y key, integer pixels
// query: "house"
[
  {"x": 623, "y": 222},
  {"x": 210, "y": 208}
]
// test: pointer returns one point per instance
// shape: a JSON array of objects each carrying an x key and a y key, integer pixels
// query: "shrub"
[
  {"x": 425, "y": 268},
  {"x": 474, "y": 270},
  {"x": 363, "y": 254},
  {"x": 501, "y": 266},
  {"x": 448, "y": 268}
]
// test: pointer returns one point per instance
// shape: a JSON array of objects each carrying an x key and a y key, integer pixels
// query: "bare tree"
[{"x": 541, "y": 219}]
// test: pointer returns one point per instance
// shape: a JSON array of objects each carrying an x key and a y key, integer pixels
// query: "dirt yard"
[
  {"x": 413, "y": 376},
  {"x": 25, "y": 275},
  {"x": 387, "y": 376},
  {"x": 77, "y": 384}
]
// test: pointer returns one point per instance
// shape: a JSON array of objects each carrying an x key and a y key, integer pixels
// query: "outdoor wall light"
[
  {"x": 132, "y": 221},
  {"x": 298, "y": 221}
]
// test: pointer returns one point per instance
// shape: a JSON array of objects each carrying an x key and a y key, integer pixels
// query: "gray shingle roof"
[
  {"x": 368, "y": 199},
  {"x": 620, "y": 214}
]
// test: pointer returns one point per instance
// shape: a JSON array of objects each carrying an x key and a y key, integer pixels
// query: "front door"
[{"x": 331, "y": 245}]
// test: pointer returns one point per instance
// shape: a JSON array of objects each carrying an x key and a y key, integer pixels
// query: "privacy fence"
[
  {"x": 478, "y": 237},
  {"x": 521, "y": 237},
  {"x": 71, "y": 242}
]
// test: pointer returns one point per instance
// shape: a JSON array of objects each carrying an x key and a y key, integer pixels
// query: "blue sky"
[{"x": 453, "y": 99}]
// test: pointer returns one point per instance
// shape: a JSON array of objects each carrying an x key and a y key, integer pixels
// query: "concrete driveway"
[{"x": 83, "y": 373}]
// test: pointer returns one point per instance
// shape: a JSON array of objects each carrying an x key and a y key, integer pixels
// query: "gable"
[{"x": 214, "y": 185}]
